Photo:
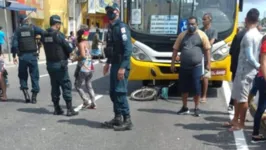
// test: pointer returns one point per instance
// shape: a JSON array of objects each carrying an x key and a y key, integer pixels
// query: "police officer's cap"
[
  {"x": 113, "y": 6},
  {"x": 55, "y": 19}
]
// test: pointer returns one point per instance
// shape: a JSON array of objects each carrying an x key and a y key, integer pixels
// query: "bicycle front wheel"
[{"x": 144, "y": 94}]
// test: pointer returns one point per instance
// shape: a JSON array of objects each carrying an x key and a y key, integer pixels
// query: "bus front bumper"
[{"x": 141, "y": 70}]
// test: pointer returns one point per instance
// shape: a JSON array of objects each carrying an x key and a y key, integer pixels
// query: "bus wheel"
[
  {"x": 146, "y": 82},
  {"x": 217, "y": 84}
]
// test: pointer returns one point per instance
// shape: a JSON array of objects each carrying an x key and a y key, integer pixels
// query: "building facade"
[
  {"x": 70, "y": 12},
  {"x": 77, "y": 13},
  {"x": 96, "y": 13}
]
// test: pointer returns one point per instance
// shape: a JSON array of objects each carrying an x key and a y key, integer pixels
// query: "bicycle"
[{"x": 151, "y": 92}]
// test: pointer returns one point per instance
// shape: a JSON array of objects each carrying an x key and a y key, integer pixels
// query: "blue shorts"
[
  {"x": 190, "y": 80},
  {"x": 96, "y": 52}
]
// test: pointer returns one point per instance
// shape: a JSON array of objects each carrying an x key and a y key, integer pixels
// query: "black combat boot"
[
  {"x": 126, "y": 125},
  {"x": 70, "y": 110},
  {"x": 117, "y": 120},
  {"x": 57, "y": 109},
  {"x": 26, "y": 95},
  {"x": 34, "y": 97}
]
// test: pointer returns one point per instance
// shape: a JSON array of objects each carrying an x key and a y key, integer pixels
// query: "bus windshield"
[{"x": 161, "y": 17}]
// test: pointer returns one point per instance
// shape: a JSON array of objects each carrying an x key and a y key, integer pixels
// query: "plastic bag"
[{"x": 164, "y": 93}]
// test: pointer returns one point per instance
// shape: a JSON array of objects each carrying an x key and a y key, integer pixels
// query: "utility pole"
[
  {"x": 122, "y": 10},
  {"x": 7, "y": 33},
  {"x": 74, "y": 17}
]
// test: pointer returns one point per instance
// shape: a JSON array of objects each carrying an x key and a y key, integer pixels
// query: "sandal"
[
  {"x": 3, "y": 99},
  {"x": 203, "y": 101},
  {"x": 85, "y": 105},
  {"x": 92, "y": 106},
  {"x": 228, "y": 124},
  {"x": 235, "y": 128}
]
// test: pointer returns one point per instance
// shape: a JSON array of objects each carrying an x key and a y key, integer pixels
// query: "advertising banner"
[
  {"x": 38, "y": 4},
  {"x": 101, "y": 4},
  {"x": 91, "y": 7},
  {"x": 98, "y": 6}
]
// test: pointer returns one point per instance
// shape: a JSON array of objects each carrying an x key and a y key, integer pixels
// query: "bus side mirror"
[{"x": 241, "y": 3}]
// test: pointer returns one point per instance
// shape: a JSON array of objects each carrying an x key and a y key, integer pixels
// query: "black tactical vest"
[
  {"x": 109, "y": 44},
  {"x": 26, "y": 40},
  {"x": 117, "y": 44},
  {"x": 53, "y": 50}
]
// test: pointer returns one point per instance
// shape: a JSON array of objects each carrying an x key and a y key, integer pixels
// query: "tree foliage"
[{"x": 263, "y": 22}]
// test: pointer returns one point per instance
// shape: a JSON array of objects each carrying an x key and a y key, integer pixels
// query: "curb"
[{"x": 253, "y": 109}]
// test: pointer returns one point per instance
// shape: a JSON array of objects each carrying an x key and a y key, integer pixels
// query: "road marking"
[
  {"x": 78, "y": 108},
  {"x": 240, "y": 139},
  {"x": 70, "y": 64},
  {"x": 44, "y": 75}
]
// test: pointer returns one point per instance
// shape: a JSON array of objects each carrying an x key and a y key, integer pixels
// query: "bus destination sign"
[{"x": 164, "y": 24}]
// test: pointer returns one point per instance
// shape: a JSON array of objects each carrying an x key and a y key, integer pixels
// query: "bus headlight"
[
  {"x": 221, "y": 53},
  {"x": 139, "y": 54}
]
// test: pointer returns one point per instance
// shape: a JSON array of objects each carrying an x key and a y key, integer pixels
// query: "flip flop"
[
  {"x": 92, "y": 107},
  {"x": 203, "y": 101},
  {"x": 3, "y": 99},
  {"x": 235, "y": 128},
  {"x": 227, "y": 124}
]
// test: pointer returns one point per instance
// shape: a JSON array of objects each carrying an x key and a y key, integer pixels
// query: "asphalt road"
[{"x": 156, "y": 125}]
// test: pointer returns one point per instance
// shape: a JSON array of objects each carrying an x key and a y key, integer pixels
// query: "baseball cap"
[
  {"x": 55, "y": 19},
  {"x": 112, "y": 6}
]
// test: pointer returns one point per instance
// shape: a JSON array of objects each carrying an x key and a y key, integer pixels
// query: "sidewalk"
[{"x": 8, "y": 63}]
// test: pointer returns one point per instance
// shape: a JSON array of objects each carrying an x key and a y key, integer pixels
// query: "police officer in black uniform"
[
  {"x": 118, "y": 52},
  {"x": 57, "y": 51},
  {"x": 24, "y": 45}
]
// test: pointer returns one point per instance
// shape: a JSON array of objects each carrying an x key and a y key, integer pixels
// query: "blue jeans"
[{"x": 261, "y": 85}]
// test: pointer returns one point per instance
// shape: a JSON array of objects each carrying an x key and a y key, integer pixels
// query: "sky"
[{"x": 248, "y": 4}]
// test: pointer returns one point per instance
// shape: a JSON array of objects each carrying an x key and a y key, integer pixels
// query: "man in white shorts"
[{"x": 247, "y": 68}]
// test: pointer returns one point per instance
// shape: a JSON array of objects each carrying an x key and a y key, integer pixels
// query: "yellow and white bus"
[{"x": 155, "y": 24}]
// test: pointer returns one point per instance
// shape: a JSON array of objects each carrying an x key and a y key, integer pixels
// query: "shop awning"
[{"x": 19, "y": 7}]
